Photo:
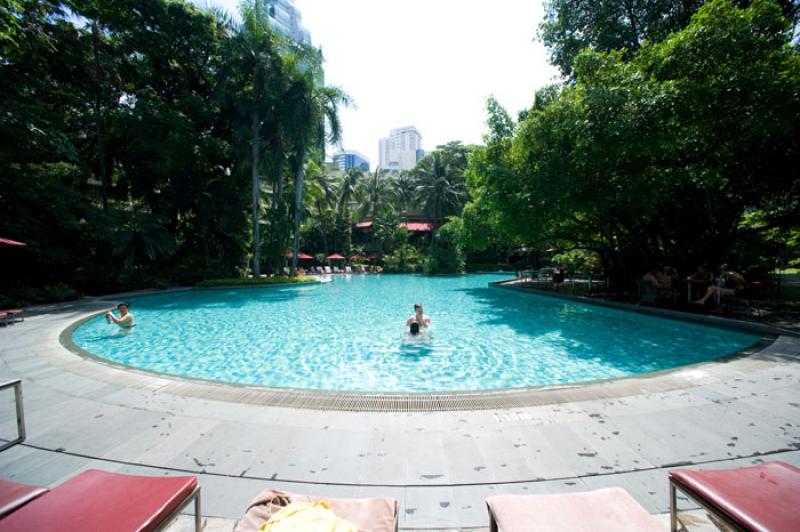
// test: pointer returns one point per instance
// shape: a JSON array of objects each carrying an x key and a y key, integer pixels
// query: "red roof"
[
  {"x": 417, "y": 226},
  {"x": 364, "y": 224}
]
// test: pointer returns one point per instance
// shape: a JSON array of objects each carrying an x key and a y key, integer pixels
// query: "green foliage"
[
  {"x": 404, "y": 259},
  {"x": 440, "y": 181},
  {"x": 655, "y": 155},
  {"x": 252, "y": 281},
  {"x": 126, "y": 140},
  {"x": 570, "y": 27},
  {"x": 447, "y": 249},
  {"x": 578, "y": 261}
]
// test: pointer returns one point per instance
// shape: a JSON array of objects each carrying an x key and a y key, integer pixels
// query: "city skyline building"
[
  {"x": 401, "y": 149},
  {"x": 288, "y": 21},
  {"x": 351, "y": 159}
]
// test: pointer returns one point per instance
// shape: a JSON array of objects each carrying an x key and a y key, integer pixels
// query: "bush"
[
  {"x": 33, "y": 296},
  {"x": 279, "y": 279},
  {"x": 447, "y": 250},
  {"x": 403, "y": 260}
]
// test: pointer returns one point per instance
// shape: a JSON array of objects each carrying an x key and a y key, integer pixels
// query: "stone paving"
[{"x": 440, "y": 465}]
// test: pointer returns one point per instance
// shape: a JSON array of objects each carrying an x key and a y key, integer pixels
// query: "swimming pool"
[{"x": 349, "y": 335}]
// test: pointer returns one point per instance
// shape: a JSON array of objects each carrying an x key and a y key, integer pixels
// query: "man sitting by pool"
[
  {"x": 418, "y": 321},
  {"x": 125, "y": 319}
]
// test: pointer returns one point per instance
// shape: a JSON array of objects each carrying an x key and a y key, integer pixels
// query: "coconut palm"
[
  {"x": 440, "y": 193},
  {"x": 313, "y": 120},
  {"x": 255, "y": 46},
  {"x": 405, "y": 189},
  {"x": 378, "y": 194}
]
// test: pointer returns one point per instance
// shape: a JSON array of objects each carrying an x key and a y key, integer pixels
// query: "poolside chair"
[
  {"x": 99, "y": 500},
  {"x": 762, "y": 497},
  {"x": 12, "y": 315},
  {"x": 328, "y": 270},
  {"x": 17, "y": 385},
  {"x": 608, "y": 509},
  {"x": 347, "y": 269},
  {"x": 14, "y": 495},
  {"x": 374, "y": 514}
]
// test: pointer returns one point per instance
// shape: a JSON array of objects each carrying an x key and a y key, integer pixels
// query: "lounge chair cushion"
[
  {"x": 762, "y": 497},
  {"x": 14, "y": 495},
  {"x": 375, "y": 514},
  {"x": 611, "y": 509},
  {"x": 98, "y": 500}
]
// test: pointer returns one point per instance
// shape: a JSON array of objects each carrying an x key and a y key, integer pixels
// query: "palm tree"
[
  {"x": 378, "y": 194},
  {"x": 314, "y": 120},
  {"x": 440, "y": 194},
  {"x": 350, "y": 191},
  {"x": 255, "y": 45},
  {"x": 349, "y": 194},
  {"x": 405, "y": 188}
]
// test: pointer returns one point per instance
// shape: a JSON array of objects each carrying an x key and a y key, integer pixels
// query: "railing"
[
  {"x": 17, "y": 385},
  {"x": 576, "y": 284}
]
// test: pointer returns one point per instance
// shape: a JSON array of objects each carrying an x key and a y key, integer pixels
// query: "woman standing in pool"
[
  {"x": 125, "y": 319},
  {"x": 418, "y": 321}
]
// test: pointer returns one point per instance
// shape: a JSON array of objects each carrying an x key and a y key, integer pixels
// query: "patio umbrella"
[
  {"x": 334, "y": 256},
  {"x": 356, "y": 257},
  {"x": 8, "y": 242},
  {"x": 372, "y": 257}
]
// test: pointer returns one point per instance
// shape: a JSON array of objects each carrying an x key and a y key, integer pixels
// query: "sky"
[{"x": 426, "y": 63}]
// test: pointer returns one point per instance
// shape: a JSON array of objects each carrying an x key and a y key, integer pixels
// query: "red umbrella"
[
  {"x": 356, "y": 257},
  {"x": 373, "y": 257},
  {"x": 334, "y": 256},
  {"x": 7, "y": 242}
]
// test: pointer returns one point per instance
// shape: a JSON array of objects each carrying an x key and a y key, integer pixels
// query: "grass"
[
  {"x": 788, "y": 271},
  {"x": 238, "y": 281}
]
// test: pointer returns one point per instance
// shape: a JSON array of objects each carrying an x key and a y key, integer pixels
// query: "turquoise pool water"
[{"x": 349, "y": 335}]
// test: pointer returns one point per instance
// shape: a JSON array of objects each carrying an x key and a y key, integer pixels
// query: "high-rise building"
[
  {"x": 401, "y": 149},
  {"x": 286, "y": 19},
  {"x": 350, "y": 159}
]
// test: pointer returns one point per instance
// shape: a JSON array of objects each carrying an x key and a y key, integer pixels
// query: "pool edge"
[{"x": 659, "y": 381}]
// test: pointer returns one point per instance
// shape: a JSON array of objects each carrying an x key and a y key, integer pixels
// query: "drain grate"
[{"x": 357, "y": 402}]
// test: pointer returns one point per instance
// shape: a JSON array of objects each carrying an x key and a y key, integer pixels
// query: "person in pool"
[
  {"x": 419, "y": 321},
  {"x": 125, "y": 319}
]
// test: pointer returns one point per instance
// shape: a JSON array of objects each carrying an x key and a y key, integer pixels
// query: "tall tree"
[
  {"x": 604, "y": 25},
  {"x": 440, "y": 185},
  {"x": 313, "y": 121}
]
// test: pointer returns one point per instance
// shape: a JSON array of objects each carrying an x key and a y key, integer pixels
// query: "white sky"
[{"x": 426, "y": 63}]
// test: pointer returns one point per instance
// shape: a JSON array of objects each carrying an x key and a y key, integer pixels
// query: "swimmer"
[
  {"x": 419, "y": 321},
  {"x": 125, "y": 319}
]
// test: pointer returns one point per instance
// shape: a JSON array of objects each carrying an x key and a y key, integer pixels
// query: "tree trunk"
[
  {"x": 298, "y": 210},
  {"x": 98, "y": 117},
  {"x": 256, "y": 194}
]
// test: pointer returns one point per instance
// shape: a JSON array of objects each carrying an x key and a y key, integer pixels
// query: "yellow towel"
[{"x": 307, "y": 517}]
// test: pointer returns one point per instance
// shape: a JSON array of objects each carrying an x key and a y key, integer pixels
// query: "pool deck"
[{"x": 440, "y": 465}]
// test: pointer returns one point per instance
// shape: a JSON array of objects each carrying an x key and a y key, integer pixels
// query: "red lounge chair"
[
  {"x": 100, "y": 501},
  {"x": 14, "y": 496},
  {"x": 608, "y": 509},
  {"x": 763, "y": 497},
  {"x": 11, "y": 315},
  {"x": 375, "y": 514}
]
